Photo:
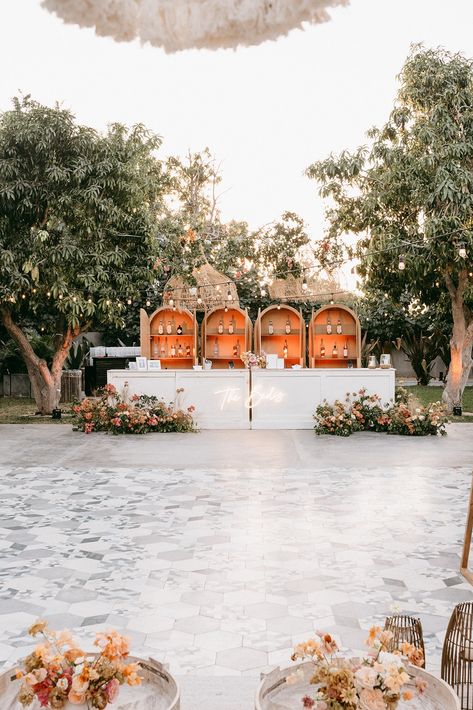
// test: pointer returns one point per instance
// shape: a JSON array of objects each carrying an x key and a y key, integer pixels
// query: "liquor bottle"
[
  {"x": 179, "y": 329},
  {"x": 169, "y": 328},
  {"x": 322, "y": 349},
  {"x": 180, "y": 351},
  {"x": 335, "y": 351},
  {"x": 188, "y": 351},
  {"x": 156, "y": 348},
  {"x": 345, "y": 350},
  {"x": 173, "y": 350},
  {"x": 329, "y": 326},
  {"x": 161, "y": 328},
  {"x": 285, "y": 349},
  {"x": 339, "y": 326},
  {"x": 270, "y": 328},
  {"x": 235, "y": 350},
  {"x": 220, "y": 326},
  {"x": 288, "y": 326},
  {"x": 216, "y": 351},
  {"x": 163, "y": 350},
  {"x": 231, "y": 327},
  {"x": 166, "y": 349},
  {"x": 238, "y": 348}
]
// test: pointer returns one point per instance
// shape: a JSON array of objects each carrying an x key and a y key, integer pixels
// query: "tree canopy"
[
  {"x": 78, "y": 215},
  {"x": 409, "y": 196}
]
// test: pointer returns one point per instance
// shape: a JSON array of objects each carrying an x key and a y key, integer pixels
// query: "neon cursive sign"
[{"x": 232, "y": 395}]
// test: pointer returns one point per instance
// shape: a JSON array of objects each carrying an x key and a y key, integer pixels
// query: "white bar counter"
[
  {"x": 287, "y": 399},
  {"x": 260, "y": 399},
  {"x": 220, "y": 397}
]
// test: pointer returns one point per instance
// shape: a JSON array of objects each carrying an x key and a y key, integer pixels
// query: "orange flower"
[
  {"x": 76, "y": 698},
  {"x": 130, "y": 673}
]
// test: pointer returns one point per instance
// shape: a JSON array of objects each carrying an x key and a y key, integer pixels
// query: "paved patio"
[{"x": 216, "y": 552}]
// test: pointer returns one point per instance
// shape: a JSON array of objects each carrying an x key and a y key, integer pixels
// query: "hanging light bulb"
[
  {"x": 279, "y": 306},
  {"x": 129, "y": 301},
  {"x": 229, "y": 295},
  {"x": 148, "y": 302},
  {"x": 462, "y": 251},
  {"x": 402, "y": 264},
  {"x": 42, "y": 328},
  {"x": 226, "y": 309},
  {"x": 331, "y": 299},
  {"x": 89, "y": 300},
  {"x": 23, "y": 295},
  {"x": 171, "y": 301},
  {"x": 107, "y": 302},
  {"x": 199, "y": 299},
  {"x": 263, "y": 292},
  {"x": 48, "y": 294},
  {"x": 74, "y": 298},
  {"x": 34, "y": 290},
  {"x": 304, "y": 284},
  {"x": 60, "y": 296}
]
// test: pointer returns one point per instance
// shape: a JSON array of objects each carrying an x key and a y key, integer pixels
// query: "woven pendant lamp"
[{"x": 185, "y": 24}]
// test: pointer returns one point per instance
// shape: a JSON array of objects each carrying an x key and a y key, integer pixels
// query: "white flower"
[
  {"x": 62, "y": 683},
  {"x": 366, "y": 677}
]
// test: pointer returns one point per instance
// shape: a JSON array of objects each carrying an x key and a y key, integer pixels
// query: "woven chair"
[
  {"x": 457, "y": 654},
  {"x": 405, "y": 629}
]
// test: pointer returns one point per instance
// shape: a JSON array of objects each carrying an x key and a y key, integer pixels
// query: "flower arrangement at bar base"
[
  {"x": 140, "y": 414},
  {"x": 58, "y": 672},
  {"x": 376, "y": 682},
  {"x": 252, "y": 360}
]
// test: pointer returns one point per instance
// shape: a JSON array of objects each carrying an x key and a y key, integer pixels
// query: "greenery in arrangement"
[
  {"x": 77, "y": 230},
  {"x": 113, "y": 413},
  {"x": 363, "y": 412},
  {"x": 409, "y": 195}
]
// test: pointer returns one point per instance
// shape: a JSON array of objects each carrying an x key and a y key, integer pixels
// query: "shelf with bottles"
[
  {"x": 280, "y": 330},
  {"x": 169, "y": 335},
  {"x": 334, "y": 337},
  {"x": 226, "y": 334}
]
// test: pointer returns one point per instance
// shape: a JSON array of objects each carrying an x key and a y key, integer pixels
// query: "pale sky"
[{"x": 266, "y": 112}]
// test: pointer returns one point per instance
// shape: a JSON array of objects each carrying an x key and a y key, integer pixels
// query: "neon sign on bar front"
[{"x": 233, "y": 395}]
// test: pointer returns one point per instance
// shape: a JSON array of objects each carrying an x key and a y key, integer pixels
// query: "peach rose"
[
  {"x": 372, "y": 700},
  {"x": 76, "y": 698}
]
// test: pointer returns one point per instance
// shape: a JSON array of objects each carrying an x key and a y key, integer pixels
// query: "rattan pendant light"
[{"x": 185, "y": 24}]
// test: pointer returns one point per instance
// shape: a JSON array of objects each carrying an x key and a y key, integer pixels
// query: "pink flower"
[{"x": 112, "y": 689}]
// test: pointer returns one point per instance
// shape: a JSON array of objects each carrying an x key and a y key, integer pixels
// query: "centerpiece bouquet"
[
  {"x": 59, "y": 672},
  {"x": 376, "y": 682},
  {"x": 251, "y": 360}
]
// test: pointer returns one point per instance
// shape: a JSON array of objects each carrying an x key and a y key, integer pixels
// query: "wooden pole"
[{"x": 467, "y": 573}]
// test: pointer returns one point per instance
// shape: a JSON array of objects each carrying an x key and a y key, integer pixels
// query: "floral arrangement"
[
  {"x": 376, "y": 682},
  {"x": 141, "y": 414},
  {"x": 58, "y": 671},
  {"x": 362, "y": 412},
  {"x": 252, "y": 360}
]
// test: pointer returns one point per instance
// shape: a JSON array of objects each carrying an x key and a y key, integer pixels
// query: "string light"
[
  {"x": 74, "y": 298},
  {"x": 199, "y": 299},
  {"x": 279, "y": 306},
  {"x": 171, "y": 301},
  {"x": 129, "y": 301},
  {"x": 48, "y": 294},
  {"x": 107, "y": 302},
  {"x": 331, "y": 299},
  {"x": 148, "y": 302},
  {"x": 229, "y": 295},
  {"x": 226, "y": 309},
  {"x": 402, "y": 264},
  {"x": 89, "y": 300},
  {"x": 304, "y": 284},
  {"x": 60, "y": 296},
  {"x": 462, "y": 251},
  {"x": 23, "y": 295}
]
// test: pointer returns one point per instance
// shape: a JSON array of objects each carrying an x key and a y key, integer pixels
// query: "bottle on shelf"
[
  {"x": 270, "y": 328},
  {"x": 216, "y": 350},
  {"x": 164, "y": 349},
  {"x": 238, "y": 348},
  {"x": 180, "y": 351},
  {"x": 155, "y": 348},
  {"x": 285, "y": 349},
  {"x": 322, "y": 349},
  {"x": 329, "y": 326},
  {"x": 173, "y": 350},
  {"x": 188, "y": 350},
  {"x": 179, "y": 329},
  {"x": 335, "y": 350},
  {"x": 288, "y": 326},
  {"x": 235, "y": 350},
  {"x": 169, "y": 328},
  {"x": 339, "y": 326},
  {"x": 231, "y": 327},
  {"x": 220, "y": 326},
  {"x": 161, "y": 328},
  {"x": 345, "y": 350}
]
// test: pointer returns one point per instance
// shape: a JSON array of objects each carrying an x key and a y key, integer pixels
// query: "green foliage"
[
  {"x": 78, "y": 216},
  {"x": 410, "y": 193}
]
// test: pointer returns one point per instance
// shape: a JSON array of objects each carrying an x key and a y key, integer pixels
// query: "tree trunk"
[
  {"x": 461, "y": 343},
  {"x": 45, "y": 382}
]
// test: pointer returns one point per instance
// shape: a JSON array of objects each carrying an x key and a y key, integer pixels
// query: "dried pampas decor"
[
  {"x": 193, "y": 24},
  {"x": 292, "y": 288},
  {"x": 212, "y": 291}
]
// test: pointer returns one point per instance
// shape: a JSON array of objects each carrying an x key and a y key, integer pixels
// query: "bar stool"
[
  {"x": 405, "y": 629},
  {"x": 457, "y": 654}
]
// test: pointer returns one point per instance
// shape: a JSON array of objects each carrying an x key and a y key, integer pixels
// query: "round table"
[
  {"x": 274, "y": 694},
  {"x": 158, "y": 691}
]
